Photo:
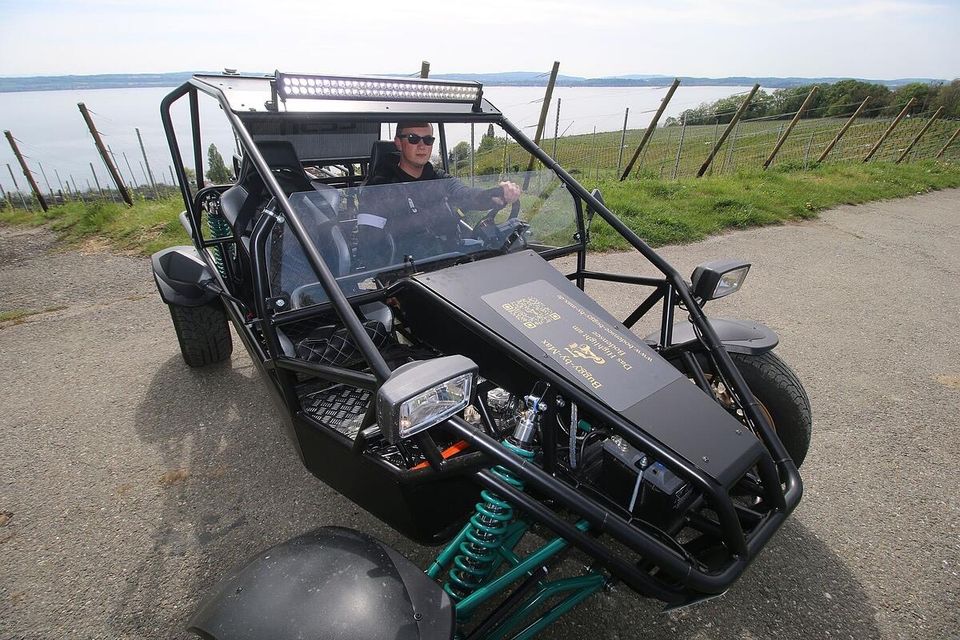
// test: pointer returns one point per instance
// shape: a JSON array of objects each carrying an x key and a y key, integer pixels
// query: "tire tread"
[
  {"x": 203, "y": 333},
  {"x": 779, "y": 388}
]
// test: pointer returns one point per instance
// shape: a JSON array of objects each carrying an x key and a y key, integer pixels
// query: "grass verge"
[
  {"x": 672, "y": 212},
  {"x": 661, "y": 212},
  {"x": 148, "y": 226}
]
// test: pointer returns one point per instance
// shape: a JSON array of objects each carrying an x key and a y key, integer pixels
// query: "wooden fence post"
[
  {"x": 96, "y": 180},
  {"x": 133, "y": 177},
  {"x": 146, "y": 162},
  {"x": 597, "y": 171},
  {"x": 716, "y": 130},
  {"x": 933, "y": 118},
  {"x": 424, "y": 69},
  {"x": 44, "y": 174},
  {"x": 60, "y": 182},
  {"x": 112, "y": 170},
  {"x": 733, "y": 143},
  {"x": 623, "y": 137},
  {"x": 793, "y": 123},
  {"x": 683, "y": 130},
  {"x": 893, "y": 125},
  {"x": 75, "y": 189},
  {"x": 556, "y": 131},
  {"x": 542, "y": 122},
  {"x": 26, "y": 171},
  {"x": 949, "y": 142},
  {"x": 726, "y": 132},
  {"x": 17, "y": 187},
  {"x": 843, "y": 130},
  {"x": 650, "y": 128}
]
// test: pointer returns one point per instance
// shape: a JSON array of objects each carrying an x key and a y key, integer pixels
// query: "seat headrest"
[
  {"x": 279, "y": 155},
  {"x": 382, "y": 153}
]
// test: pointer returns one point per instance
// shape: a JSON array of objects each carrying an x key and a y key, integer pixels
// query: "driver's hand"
[{"x": 511, "y": 192}]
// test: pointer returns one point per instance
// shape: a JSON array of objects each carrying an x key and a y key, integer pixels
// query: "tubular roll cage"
[{"x": 683, "y": 578}]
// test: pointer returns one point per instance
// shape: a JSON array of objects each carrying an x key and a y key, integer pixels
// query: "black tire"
[
  {"x": 778, "y": 389},
  {"x": 203, "y": 333}
]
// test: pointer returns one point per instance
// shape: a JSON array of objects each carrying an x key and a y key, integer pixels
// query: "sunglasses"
[{"x": 413, "y": 138}]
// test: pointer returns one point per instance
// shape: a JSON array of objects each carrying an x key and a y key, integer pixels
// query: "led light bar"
[{"x": 290, "y": 85}]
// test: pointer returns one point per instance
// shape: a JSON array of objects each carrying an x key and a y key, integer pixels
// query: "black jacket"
[{"x": 420, "y": 215}]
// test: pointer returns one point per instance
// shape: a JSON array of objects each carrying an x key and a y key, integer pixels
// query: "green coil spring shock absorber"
[
  {"x": 218, "y": 229},
  {"x": 489, "y": 524}
]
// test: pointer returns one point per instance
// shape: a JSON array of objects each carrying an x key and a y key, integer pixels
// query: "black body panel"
[
  {"x": 550, "y": 320},
  {"x": 329, "y": 583},
  {"x": 424, "y": 506},
  {"x": 179, "y": 272}
]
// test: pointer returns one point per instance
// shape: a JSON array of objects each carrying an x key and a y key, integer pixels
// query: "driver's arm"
[{"x": 473, "y": 199}]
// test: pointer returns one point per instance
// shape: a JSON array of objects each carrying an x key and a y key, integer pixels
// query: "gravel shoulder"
[{"x": 129, "y": 483}]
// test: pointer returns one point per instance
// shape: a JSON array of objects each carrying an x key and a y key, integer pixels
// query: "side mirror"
[
  {"x": 718, "y": 278},
  {"x": 424, "y": 393}
]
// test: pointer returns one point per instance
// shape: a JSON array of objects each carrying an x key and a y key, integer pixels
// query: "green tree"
[
  {"x": 949, "y": 98},
  {"x": 922, "y": 93},
  {"x": 459, "y": 156},
  {"x": 218, "y": 173},
  {"x": 845, "y": 96}
]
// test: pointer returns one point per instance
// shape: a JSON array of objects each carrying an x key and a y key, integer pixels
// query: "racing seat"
[
  {"x": 242, "y": 204},
  {"x": 382, "y": 153},
  {"x": 242, "y": 201},
  {"x": 376, "y": 246}
]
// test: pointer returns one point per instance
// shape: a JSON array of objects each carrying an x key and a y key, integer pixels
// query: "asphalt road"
[{"x": 129, "y": 483}]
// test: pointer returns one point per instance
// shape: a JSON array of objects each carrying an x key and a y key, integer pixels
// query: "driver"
[{"x": 419, "y": 217}]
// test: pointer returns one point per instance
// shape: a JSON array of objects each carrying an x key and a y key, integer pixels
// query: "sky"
[{"x": 883, "y": 39}]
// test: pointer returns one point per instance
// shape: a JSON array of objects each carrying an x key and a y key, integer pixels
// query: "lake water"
[{"x": 52, "y": 135}]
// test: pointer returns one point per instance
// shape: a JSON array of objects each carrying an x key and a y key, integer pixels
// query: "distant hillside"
[
  {"x": 102, "y": 81},
  {"x": 510, "y": 78}
]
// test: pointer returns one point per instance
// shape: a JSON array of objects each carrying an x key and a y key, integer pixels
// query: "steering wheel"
[{"x": 502, "y": 235}]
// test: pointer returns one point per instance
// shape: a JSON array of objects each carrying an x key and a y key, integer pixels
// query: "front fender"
[
  {"x": 738, "y": 336},
  {"x": 180, "y": 275},
  {"x": 331, "y": 583}
]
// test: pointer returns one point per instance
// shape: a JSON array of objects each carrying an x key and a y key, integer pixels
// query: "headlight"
[
  {"x": 420, "y": 394},
  {"x": 719, "y": 278}
]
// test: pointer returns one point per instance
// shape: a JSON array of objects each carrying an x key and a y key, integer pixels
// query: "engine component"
[
  {"x": 505, "y": 409},
  {"x": 643, "y": 487}
]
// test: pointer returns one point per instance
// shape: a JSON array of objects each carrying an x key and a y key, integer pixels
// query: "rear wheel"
[
  {"x": 203, "y": 333},
  {"x": 779, "y": 391}
]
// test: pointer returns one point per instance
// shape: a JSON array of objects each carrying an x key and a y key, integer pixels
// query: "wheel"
[
  {"x": 203, "y": 333},
  {"x": 777, "y": 388}
]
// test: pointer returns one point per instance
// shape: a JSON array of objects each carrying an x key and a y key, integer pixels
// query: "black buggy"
[{"x": 470, "y": 394}]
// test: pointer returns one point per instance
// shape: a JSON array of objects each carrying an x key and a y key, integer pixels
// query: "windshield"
[{"x": 367, "y": 233}]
